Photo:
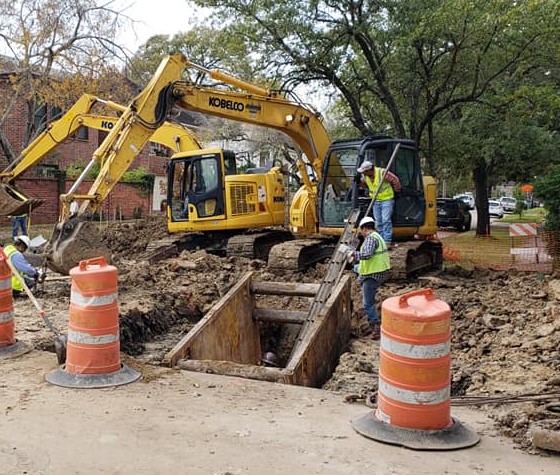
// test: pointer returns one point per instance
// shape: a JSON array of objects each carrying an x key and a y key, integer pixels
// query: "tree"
[
  {"x": 411, "y": 68},
  {"x": 201, "y": 45},
  {"x": 57, "y": 50}
]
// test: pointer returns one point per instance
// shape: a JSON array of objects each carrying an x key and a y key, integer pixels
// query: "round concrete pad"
[
  {"x": 60, "y": 377},
  {"x": 455, "y": 437}
]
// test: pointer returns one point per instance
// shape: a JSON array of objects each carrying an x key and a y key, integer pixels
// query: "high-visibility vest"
[
  {"x": 10, "y": 250},
  {"x": 385, "y": 192},
  {"x": 379, "y": 261}
]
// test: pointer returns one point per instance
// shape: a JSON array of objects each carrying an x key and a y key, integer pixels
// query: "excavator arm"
[{"x": 13, "y": 201}]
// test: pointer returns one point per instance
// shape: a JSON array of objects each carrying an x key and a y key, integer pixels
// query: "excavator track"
[
  {"x": 256, "y": 245},
  {"x": 300, "y": 254},
  {"x": 410, "y": 259}
]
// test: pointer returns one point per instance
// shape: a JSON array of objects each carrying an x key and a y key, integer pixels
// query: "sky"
[{"x": 155, "y": 17}]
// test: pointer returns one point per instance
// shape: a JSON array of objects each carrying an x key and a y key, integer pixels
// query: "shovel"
[{"x": 60, "y": 341}]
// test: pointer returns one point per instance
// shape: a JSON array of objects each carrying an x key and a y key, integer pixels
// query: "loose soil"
[{"x": 505, "y": 325}]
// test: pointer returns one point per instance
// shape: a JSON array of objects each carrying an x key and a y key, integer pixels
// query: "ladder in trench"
[{"x": 332, "y": 277}]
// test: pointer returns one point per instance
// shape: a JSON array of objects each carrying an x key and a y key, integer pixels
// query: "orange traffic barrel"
[
  {"x": 93, "y": 351},
  {"x": 414, "y": 395},
  {"x": 9, "y": 346}
]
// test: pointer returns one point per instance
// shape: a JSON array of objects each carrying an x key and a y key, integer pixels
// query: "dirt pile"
[{"x": 128, "y": 240}]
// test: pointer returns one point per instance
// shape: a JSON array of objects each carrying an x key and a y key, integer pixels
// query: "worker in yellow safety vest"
[
  {"x": 15, "y": 253},
  {"x": 385, "y": 200},
  {"x": 373, "y": 268}
]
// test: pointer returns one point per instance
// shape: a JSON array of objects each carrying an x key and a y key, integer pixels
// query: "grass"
[
  {"x": 535, "y": 215},
  {"x": 492, "y": 250}
]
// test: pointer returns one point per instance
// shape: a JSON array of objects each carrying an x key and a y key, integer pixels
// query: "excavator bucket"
[
  {"x": 13, "y": 202},
  {"x": 72, "y": 241}
]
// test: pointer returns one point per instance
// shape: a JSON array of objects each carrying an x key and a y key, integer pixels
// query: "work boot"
[{"x": 375, "y": 331}]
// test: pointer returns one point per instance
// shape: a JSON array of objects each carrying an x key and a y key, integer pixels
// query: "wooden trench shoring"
[{"x": 227, "y": 339}]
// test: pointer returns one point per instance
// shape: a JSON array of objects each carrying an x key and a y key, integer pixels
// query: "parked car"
[
  {"x": 495, "y": 209},
  {"x": 453, "y": 213},
  {"x": 468, "y": 199},
  {"x": 508, "y": 203}
]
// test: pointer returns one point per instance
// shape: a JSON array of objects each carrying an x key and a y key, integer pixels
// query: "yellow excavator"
[{"x": 205, "y": 194}]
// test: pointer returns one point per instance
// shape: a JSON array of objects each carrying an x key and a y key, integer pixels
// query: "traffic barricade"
[
  {"x": 9, "y": 346},
  {"x": 93, "y": 353},
  {"x": 413, "y": 398}
]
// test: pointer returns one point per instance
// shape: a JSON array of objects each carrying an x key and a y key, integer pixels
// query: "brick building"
[{"x": 48, "y": 179}]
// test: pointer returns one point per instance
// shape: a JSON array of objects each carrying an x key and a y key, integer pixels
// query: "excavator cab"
[
  {"x": 340, "y": 191},
  {"x": 207, "y": 192}
]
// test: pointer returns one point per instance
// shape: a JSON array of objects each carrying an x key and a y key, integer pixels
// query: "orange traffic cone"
[
  {"x": 414, "y": 405},
  {"x": 93, "y": 353},
  {"x": 9, "y": 346}
]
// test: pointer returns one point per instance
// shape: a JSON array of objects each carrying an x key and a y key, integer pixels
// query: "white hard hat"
[
  {"x": 366, "y": 220},
  {"x": 25, "y": 240},
  {"x": 365, "y": 166}
]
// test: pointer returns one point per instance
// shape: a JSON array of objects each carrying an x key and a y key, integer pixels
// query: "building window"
[
  {"x": 43, "y": 114},
  {"x": 82, "y": 133},
  {"x": 47, "y": 171},
  {"x": 158, "y": 149}
]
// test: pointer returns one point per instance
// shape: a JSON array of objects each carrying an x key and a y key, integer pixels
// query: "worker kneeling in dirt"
[{"x": 14, "y": 252}]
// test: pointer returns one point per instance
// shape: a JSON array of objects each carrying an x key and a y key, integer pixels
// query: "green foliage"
[
  {"x": 202, "y": 45},
  {"x": 75, "y": 169},
  {"x": 140, "y": 177},
  {"x": 547, "y": 189},
  {"x": 520, "y": 204}
]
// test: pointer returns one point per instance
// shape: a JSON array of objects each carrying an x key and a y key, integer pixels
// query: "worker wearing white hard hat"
[
  {"x": 373, "y": 269},
  {"x": 385, "y": 199},
  {"x": 15, "y": 253}
]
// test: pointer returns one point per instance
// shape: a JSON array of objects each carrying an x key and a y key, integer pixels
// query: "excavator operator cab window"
[
  {"x": 196, "y": 183},
  {"x": 336, "y": 190},
  {"x": 230, "y": 162},
  {"x": 340, "y": 192}
]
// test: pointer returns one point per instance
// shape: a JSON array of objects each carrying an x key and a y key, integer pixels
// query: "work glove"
[
  {"x": 347, "y": 252},
  {"x": 41, "y": 276}
]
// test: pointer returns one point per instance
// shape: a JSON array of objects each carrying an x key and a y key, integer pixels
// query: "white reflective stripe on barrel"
[
  {"x": 86, "y": 338},
  {"x": 413, "y": 397},
  {"x": 6, "y": 284},
  {"x": 91, "y": 300},
  {"x": 6, "y": 316},
  {"x": 414, "y": 351}
]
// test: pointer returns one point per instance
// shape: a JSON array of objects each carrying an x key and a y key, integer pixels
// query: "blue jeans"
[
  {"x": 382, "y": 214},
  {"x": 19, "y": 222},
  {"x": 369, "y": 289}
]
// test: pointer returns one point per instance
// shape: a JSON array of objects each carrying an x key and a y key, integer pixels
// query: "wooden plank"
[
  {"x": 227, "y": 368},
  {"x": 325, "y": 339},
  {"x": 279, "y": 316},
  {"x": 284, "y": 288},
  {"x": 227, "y": 332}
]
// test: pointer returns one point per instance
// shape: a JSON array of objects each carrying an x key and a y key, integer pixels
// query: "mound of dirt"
[{"x": 128, "y": 240}]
